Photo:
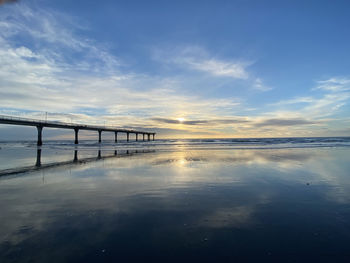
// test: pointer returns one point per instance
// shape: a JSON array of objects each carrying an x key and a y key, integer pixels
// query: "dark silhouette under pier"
[{"x": 76, "y": 127}]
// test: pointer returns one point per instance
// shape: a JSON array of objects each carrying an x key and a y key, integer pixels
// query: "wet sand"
[{"x": 226, "y": 205}]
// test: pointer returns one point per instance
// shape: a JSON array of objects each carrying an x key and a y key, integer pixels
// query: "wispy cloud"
[
  {"x": 332, "y": 95},
  {"x": 293, "y": 101},
  {"x": 285, "y": 122},
  {"x": 200, "y": 122},
  {"x": 334, "y": 84},
  {"x": 56, "y": 36},
  {"x": 327, "y": 105},
  {"x": 259, "y": 85},
  {"x": 196, "y": 58},
  {"x": 216, "y": 67}
]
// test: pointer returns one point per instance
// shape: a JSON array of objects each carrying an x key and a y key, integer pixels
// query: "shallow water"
[{"x": 178, "y": 201}]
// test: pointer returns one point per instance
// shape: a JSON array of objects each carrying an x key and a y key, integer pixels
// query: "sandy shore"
[{"x": 197, "y": 205}]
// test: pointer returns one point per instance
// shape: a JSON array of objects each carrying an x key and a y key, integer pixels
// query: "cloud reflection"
[{"x": 183, "y": 193}]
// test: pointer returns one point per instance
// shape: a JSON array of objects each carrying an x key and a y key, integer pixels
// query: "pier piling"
[
  {"x": 99, "y": 136},
  {"x": 40, "y": 133},
  {"x": 76, "y": 130}
]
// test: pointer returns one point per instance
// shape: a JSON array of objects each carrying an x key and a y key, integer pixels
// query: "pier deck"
[{"x": 40, "y": 124}]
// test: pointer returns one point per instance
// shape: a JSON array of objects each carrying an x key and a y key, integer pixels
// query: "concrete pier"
[
  {"x": 40, "y": 135},
  {"x": 99, "y": 136},
  {"x": 76, "y": 130},
  {"x": 39, "y": 124}
]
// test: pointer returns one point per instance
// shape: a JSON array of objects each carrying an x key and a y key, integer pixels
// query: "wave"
[{"x": 299, "y": 142}]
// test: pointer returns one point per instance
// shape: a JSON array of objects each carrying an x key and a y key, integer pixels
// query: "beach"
[
  {"x": 174, "y": 131},
  {"x": 178, "y": 200}
]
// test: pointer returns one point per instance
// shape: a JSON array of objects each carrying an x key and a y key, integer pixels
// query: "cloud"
[
  {"x": 327, "y": 105},
  {"x": 200, "y": 122},
  {"x": 333, "y": 94},
  {"x": 334, "y": 84},
  {"x": 44, "y": 77},
  {"x": 259, "y": 85},
  {"x": 216, "y": 67},
  {"x": 56, "y": 36},
  {"x": 196, "y": 58},
  {"x": 284, "y": 122},
  {"x": 294, "y": 101},
  {"x": 174, "y": 121}
]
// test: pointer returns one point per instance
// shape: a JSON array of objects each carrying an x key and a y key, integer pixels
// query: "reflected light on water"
[{"x": 202, "y": 204}]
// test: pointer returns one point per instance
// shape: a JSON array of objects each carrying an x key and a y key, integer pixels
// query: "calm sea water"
[{"x": 221, "y": 200}]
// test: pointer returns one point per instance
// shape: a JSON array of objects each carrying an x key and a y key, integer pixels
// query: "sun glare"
[{"x": 181, "y": 119}]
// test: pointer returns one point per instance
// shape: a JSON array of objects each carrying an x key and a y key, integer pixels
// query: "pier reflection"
[{"x": 75, "y": 160}]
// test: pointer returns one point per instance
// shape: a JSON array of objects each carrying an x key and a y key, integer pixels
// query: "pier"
[{"x": 39, "y": 124}]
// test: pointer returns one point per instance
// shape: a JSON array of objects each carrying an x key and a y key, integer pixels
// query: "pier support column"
[
  {"x": 99, "y": 136},
  {"x": 153, "y": 136},
  {"x": 143, "y": 136},
  {"x": 149, "y": 137},
  {"x": 115, "y": 136},
  {"x": 99, "y": 154},
  {"x": 76, "y": 130},
  {"x": 40, "y": 133},
  {"x": 127, "y": 136},
  {"x": 38, "y": 158},
  {"x": 137, "y": 135}
]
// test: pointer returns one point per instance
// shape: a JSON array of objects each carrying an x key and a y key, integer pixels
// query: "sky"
[{"x": 184, "y": 69}]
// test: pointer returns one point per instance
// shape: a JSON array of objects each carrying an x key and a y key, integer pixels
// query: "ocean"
[{"x": 183, "y": 200}]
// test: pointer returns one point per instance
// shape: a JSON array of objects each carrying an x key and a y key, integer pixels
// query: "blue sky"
[{"x": 181, "y": 68}]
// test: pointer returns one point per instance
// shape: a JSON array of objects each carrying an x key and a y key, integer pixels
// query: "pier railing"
[{"x": 6, "y": 117}]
